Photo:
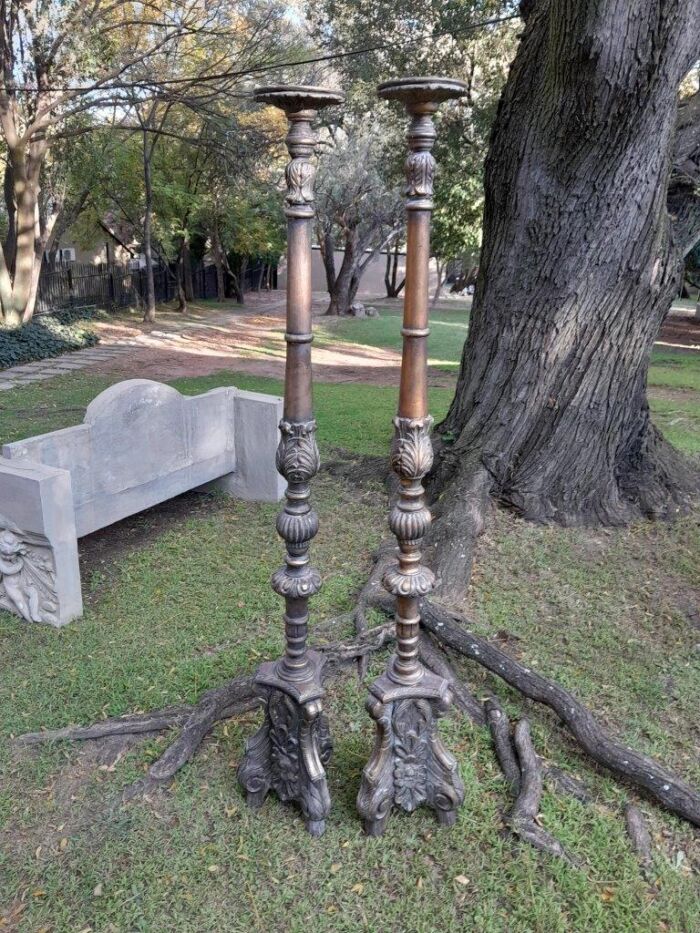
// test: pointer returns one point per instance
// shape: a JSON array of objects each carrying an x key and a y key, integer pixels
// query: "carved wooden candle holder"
[
  {"x": 410, "y": 765},
  {"x": 289, "y": 751}
]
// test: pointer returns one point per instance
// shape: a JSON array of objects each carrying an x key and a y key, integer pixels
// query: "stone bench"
[{"x": 141, "y": 442}]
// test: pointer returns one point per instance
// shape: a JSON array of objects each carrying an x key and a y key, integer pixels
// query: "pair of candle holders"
[{"x": 409, "y": 765}]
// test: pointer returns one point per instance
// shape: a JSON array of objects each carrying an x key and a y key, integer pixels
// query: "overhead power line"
[{"x": 258, "y": 69}]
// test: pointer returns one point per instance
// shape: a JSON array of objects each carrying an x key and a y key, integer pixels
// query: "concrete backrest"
[{"x": 141, "y": 442}]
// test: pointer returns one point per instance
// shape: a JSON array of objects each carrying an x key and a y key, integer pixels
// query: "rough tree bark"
[
  {"x": 18, "y": 266},
  {"x": 340, "y": 290},
  {"x": 580, "y": 262}
]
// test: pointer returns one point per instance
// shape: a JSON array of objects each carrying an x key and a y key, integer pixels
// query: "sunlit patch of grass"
[{"x": 448, "y": 331}]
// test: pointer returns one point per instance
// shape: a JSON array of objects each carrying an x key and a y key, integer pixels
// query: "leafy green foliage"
[
  {"x": 46, "y": 336},
  {"x": 433, "y": 38}
]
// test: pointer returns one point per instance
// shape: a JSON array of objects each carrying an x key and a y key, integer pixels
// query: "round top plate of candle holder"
[
  {"x": 298, "y": 97},
  {"x": 429, "y": 89}
]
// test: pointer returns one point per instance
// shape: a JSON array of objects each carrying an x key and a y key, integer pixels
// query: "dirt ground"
[{"x": 251, "y": 341}]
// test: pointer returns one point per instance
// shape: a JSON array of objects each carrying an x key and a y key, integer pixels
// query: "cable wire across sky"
[{"x": 107, "y": 84}]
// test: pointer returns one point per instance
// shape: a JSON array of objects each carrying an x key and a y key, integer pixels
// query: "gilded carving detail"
[{"x": 412, "y": 449}]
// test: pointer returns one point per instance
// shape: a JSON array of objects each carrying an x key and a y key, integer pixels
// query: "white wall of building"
[{"x": 372, "y": 281}]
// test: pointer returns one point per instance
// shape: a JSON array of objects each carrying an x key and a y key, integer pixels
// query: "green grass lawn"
[
  {"x": 613, "y": 614},
  {"x": 448, "y": 330}
]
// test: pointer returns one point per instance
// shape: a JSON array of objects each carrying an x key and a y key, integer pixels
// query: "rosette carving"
[
  {"x": 297, "y": 457},
  {"x": 411, "y": 449}
]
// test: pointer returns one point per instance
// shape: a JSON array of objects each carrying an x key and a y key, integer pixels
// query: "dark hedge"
[{"x": 47, "y": 336}]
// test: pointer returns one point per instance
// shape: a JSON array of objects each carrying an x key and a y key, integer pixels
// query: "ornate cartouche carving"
[
  {"x": 410, "y": 766},
  {"x": 288, "y": 754},
  {"x": 27, "y": 575}
]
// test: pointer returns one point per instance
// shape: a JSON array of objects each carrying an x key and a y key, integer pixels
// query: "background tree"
[
  {"x": 441, "y": 40},
  {"x": 120, "y": 62},
  {"x": 590, "y": 210},
  {"x": 358, "y": 208},
  {"x": 60, "y": 60}
]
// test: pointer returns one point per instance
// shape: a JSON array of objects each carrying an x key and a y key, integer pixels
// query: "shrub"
[
  {"x": 71, "y": 315},
  {"x": 46, "y": 336}
]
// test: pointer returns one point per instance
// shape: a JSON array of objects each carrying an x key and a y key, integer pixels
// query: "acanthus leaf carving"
[
  {"x": 298, "y": 459},
  {"x": 300, "y": 175},
  {"x": 420, "y": 172},
  {"x": 412, "y": 449}
]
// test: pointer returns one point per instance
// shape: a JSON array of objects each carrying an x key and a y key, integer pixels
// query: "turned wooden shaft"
[
  {"x": 297, "y": 382},
  {"x": 413, "y": 392}
]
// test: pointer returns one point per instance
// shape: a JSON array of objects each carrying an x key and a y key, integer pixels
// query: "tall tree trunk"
[
  {"x": 219, "y": 258},
  {"x": 341, "y": 291},
  {"x": 550, "y": 412},
  {"x": 391, "y": 271},
  {"x": 327, "y": 247},
  {"x": 180, "y": 278},
  {"x": 241, "y": 279},
  {"x": 440, "y": 268},
  {"x": 10, "y": 244},
  {"x": 150, "y": 311},
  {"x": 186, "y": 259}
]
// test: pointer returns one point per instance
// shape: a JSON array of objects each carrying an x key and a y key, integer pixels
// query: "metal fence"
[
  {"x": 116, "y": 286},
  {"x": 112, "y": 286}
]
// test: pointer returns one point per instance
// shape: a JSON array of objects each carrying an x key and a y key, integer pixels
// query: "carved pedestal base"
[
  {"x": 409, "y": 765},
  {"x": 288, "y": 753}
]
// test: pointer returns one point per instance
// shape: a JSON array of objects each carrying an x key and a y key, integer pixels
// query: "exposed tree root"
[
  {"x": 522, "y": 819},
  {"x": 435, "y": 659},
  {"x": 567, "y": 784},
  {"x": 667, "y": 788},
  {"x": 639, "y": 836},
  {"x": 500, "y": 733},
  {"x": 133, "y": 724},
  {"x": 235, "y": 697},
  {"x": 460, "y": 516},
  {"x": 523, "y": 769},
  {"x": 367, "y": 597}
]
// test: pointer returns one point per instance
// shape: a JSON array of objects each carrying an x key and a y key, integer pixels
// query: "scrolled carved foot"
[
  {"x": 374, "y": 827},
  {"x": 446, "y": 817},
  {"x": 287, "y": 754},
  {"x": 255, "y": 799},
  {"x": 409, "y": 766}
]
